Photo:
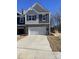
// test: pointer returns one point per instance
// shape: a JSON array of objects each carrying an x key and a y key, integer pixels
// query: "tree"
[{"x": 56, "y": 21}]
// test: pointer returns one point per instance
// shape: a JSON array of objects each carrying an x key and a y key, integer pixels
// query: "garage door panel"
[{"x": 37, "y": 30}]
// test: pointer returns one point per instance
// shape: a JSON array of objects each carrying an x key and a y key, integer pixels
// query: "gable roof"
[
  {"x": 39, "y": 8},
  {"x": 31, "y": 11},
  {"x": 18, "y": 13},
  {"x": 36, "y": 9}
]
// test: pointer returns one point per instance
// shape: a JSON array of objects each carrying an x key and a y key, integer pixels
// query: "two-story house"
[
  {"x": 20, "y": 23},
  {"x": 37, "y": 20}
]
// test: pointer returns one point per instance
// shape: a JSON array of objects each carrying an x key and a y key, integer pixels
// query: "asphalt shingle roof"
[
  {"x": 39, "y": 8},
  {"x": 31, "y": 12},
  {"x": 36, "y": 8}
]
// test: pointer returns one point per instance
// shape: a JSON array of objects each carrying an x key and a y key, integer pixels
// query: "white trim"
[
  {"x": 36, "y": 11},
  {"x": 31, "y": 8},
  {"x": 38, "y": 24},
  {"x": 40, "y": 12},
  {"x": 21, "y": 25},
  {"x": 32, "y": 17},
  {"x": 27, "y": 10},
  {"x": 18, "y": 12},
  {"x": 40, "y": 6}
]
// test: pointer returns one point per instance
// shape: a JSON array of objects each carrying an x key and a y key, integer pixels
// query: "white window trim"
[{"x": 31, "y": 18}]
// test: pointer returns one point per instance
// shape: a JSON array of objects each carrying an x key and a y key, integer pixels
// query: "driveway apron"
[{"x": 35, "y": 47}]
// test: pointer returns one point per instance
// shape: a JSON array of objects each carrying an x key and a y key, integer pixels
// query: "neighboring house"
[
  {"x": 37, "y": 20},
  {"x": 20, "y": 23}
]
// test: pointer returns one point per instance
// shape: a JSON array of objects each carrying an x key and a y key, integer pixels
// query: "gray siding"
[
  {"x": 37, "y": 10},
  {"x": 31, "y": 21},
  {"x": 38, "y": 20}
]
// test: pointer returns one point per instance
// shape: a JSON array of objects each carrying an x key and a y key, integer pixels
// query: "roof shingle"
[{"x": 39, "y": 8}]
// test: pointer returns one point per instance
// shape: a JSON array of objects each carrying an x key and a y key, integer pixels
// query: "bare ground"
[
  {"x": 55, "y": 43},
  {"x": 19, "y": 37}
]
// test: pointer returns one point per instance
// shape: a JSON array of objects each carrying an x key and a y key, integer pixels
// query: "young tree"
[{"x": 58, "y": 21}]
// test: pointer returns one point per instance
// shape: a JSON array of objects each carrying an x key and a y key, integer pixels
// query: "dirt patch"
[
  {"x": 19, "y": 37},
  {"x": 55, "y": 43}
]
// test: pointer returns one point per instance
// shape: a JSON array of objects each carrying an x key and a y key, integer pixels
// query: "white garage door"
[{"x": 37, "y": 30}]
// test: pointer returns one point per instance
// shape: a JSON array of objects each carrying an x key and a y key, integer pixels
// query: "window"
[
  {"x": 43, "y": 17},
  {"x": 33, "y": 17},
  {"x": 29, "y": 18},
  {"x": 40, "y": 17},
  {"x": 22, "y": 20},
  {"x": 47, "y": 16}
]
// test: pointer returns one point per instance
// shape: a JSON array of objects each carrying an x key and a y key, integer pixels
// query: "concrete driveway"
[{"x": 35, "y": 47}]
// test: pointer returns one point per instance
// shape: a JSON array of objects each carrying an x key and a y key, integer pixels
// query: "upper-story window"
[
  {"x": 44, "y": 17},
  {"x": 40, "y": 17},
  {"x": 20, "y": 20},
  {"x": 29, "y": 17},
  {"x": 32, "y": 17}
]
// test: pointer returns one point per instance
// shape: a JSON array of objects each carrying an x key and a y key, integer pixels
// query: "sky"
[{"x": 53, "y": 6}]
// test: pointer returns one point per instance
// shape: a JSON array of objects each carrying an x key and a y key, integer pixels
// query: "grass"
[{"x": 55, "y": 43}]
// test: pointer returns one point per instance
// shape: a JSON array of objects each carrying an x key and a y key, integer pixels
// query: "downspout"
[
  {"x": 49, "y": 22},
  {"x": 23, "y": 15}
]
